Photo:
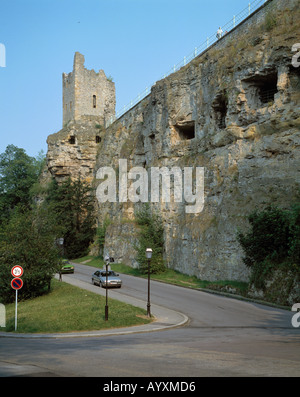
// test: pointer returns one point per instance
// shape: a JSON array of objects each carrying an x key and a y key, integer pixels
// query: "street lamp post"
[
  {"x": 148, "y": 256},
  {"x": 61, "y": 246},
  {"x": 106, "y": 302}
]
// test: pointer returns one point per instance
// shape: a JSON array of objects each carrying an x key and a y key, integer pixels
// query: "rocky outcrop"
[
  {"x": 72, "y": 151},
  {"x": 233, "y": 110}
]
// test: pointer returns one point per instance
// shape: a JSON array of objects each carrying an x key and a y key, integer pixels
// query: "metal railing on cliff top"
[{"x": 236, "y": 20}]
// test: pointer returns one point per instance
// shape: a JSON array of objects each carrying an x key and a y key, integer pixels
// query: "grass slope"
[{"x": 67, "y": 308}]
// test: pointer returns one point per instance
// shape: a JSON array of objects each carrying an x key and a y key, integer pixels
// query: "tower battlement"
[{"x": 87, "y": 93}]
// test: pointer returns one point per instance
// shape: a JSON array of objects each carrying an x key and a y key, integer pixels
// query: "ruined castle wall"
[
  {"x": 88, "y": 100},
  {"x": 87, "y": 93},
  {"x": 68, "y": 89},
  {"x": 233, "y": 111}
]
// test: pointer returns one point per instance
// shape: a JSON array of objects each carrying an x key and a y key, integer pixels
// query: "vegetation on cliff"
[
  {"x": 151, "y": 236},
  {"x": 272, "y": 251}
]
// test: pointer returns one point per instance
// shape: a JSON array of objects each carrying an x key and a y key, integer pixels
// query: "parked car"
[
  {"x": 113, "y": 279},
  {"x": 67, "y": 267}
]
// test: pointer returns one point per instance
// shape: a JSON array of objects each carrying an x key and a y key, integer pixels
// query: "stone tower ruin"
[{"x": 87, "y": 94}]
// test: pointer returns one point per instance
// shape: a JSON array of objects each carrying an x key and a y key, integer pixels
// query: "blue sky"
[{"x": 134, "y": 41}]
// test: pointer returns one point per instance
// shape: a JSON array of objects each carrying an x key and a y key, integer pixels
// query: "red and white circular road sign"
[
  {"x": 17, "y": 271},
  {"x": 16, "y": 283}
]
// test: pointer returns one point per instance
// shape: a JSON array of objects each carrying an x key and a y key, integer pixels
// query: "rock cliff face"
[
  {"x": 72, "y": 151},
  {"x": 234, "y": 111}
]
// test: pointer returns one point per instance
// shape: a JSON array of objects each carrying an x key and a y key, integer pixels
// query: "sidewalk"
[{"x": 164, "y": 318}]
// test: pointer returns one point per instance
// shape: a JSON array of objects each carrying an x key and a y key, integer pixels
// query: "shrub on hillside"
[{"x": 272, "y": 244}]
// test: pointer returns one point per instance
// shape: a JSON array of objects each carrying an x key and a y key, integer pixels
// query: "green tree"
[
  {"x": 27, "y": 239},
  {"x": 268, "y": 237},
  {"x": 151, "y": 236},
  {"x": 71, "y": 204},
  {"x": 18, "y": 173}
]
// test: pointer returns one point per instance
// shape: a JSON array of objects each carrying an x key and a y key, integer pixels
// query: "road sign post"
[
  {"x": 17, "y": 271},
  {"x": 16, "y": 311},
  {"x": 16, "y": 284}
]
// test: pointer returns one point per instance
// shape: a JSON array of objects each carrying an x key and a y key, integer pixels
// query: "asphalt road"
[{"x": 224, "y": 337}]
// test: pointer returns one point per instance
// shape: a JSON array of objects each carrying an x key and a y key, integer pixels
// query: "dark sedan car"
[{"x": 113, "y": 279}]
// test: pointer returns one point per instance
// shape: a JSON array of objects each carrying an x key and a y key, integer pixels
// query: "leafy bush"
[
  {"x": 294, "y": 239},
  {"x": 27, "y": 240},
  {"x": 272, "y": 243},
  {"x": 268, "y": 237}
]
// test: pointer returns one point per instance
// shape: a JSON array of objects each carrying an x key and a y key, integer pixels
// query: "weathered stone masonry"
[
  {"x": 88, "y": 101},
  {"x": 235, "y": 111},
  {"x": 87, "y": 93}
]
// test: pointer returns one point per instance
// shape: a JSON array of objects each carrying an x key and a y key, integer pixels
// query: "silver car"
[{"x": 113, "y": 279}]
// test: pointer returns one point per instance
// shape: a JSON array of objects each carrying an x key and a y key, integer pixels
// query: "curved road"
[{"x": 224, "y": 337}]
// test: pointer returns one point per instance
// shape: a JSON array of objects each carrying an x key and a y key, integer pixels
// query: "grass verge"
[{"x": 68, "y": 309}]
